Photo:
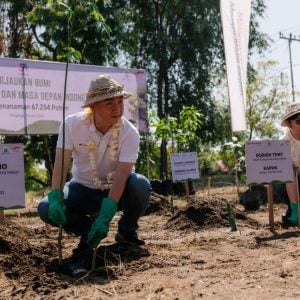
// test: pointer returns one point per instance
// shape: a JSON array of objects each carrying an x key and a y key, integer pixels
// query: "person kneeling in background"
[
  {"x": 291, "y": 120},
  {"x": 104, "y": 147}
]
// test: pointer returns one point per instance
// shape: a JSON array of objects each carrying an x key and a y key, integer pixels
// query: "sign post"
[
  {"x": 208, "y": 186},
  {"x": 187, "y": 192},
  {"x": 269, "y": 161},
  {"x": 184, "y": 167},
  {"x": 271, "y": 207}
]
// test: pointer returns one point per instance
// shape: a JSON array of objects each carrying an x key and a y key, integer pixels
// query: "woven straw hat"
[
  {"x": 291, "y": 110},
  {"x": 104, "y": 87}
]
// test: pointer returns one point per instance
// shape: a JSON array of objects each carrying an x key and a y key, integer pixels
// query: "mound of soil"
[
  {"x": 29, "y": 256},
  {"x": 158, "y": 204},
  {"x": 24, "y": 258},
  {"x": 205, "y": 213}
]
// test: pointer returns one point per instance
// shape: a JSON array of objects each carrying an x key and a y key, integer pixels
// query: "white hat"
[
  {"x": 104, "y": 87},
  {"x": 291, "y": 110}
]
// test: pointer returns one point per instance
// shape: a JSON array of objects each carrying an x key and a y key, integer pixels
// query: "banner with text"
[
  {"x": 184, "y": 166},
  {"x": 31, "y": 94},
  {"x": 12, "y": 185},
  {"x": 235, "y": 15},
  {"x": 268, "y": 161}
]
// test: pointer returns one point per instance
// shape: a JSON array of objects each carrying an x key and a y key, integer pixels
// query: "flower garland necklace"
[{"x": 114, "y": 146}]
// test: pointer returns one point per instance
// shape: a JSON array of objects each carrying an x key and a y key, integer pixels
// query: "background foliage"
[{"x": 180, "y": 45}]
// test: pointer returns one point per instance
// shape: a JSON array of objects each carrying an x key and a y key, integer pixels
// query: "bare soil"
[{"x": 191, "y": 254}]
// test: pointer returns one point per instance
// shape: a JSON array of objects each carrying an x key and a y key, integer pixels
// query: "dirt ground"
[{"x": 191, "y": 254}]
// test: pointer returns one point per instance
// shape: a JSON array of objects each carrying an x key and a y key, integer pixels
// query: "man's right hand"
[{"x": 56, "y": 210}]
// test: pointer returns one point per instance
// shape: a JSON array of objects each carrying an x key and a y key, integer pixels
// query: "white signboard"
[
  {"x": 32, "y": 92},
  {"x": 184, "y": 166},
  {"x": 268, "y": 161},
  {"x": 12, "y": 184}
]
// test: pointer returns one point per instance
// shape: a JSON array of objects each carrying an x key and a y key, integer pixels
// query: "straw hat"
[
  {"x": 291, "y": 110},
  {"x": 104, "y": 87}
]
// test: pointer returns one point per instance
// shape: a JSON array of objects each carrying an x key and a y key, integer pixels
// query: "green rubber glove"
[
  {"x": 294, "y": 216},
  {"x": 56, "y": 210},
  {"x": 100, "y": 226}
]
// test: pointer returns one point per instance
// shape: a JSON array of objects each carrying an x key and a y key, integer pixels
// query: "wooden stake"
[
  {"x": 1, "y": 216},
  {"x": 59, "y": 244},
  {"x": 94, "y": 259},
  {"x": 187, "y": 191},
  {"x": 237, "y": 182},
  {"x": 171, "y": 204},
  {"x": 270, "y": 204},
  {"x": 208, "y": 186}
]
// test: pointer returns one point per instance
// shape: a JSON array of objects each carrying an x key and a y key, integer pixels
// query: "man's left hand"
[
  {"x": 100, "y": 227},
  {"x": 97, "y": 233}
]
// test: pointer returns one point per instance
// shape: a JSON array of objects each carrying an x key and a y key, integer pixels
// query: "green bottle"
[{"x": 231, "y": 218}]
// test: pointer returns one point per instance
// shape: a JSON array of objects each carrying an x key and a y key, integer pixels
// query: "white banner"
[
  {"x": 235, "y": 16},
  {"x": 31, "y": 94},
  {"x": 12, "y": 184}
]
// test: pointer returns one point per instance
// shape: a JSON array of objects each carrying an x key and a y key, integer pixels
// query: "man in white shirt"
[{"x": 103, "y": 148}]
